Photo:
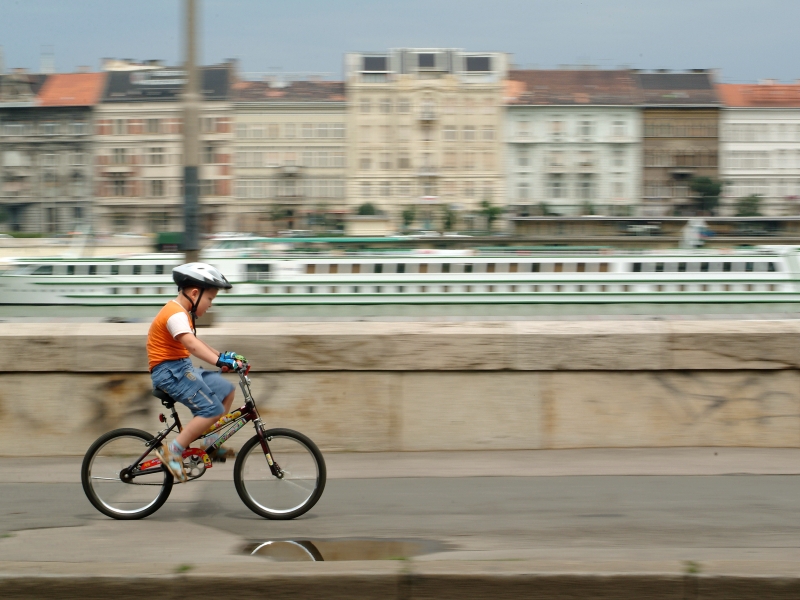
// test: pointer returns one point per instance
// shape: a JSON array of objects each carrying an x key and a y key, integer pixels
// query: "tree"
[
  {"x": 367, "y": 209},
  {"x": 408, "y": 215},
  {"x": 491, "y": 213},
  {"x": 449, "y": 221},
  {"x": 544, "y": 209},
  {"x": 748, "y": 206},
  {"x": 708, "y": 191},
  {"x": 587, "y": 208}
]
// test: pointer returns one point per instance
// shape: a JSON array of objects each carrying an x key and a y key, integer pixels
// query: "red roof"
[
  {"x": 72, "y": 89},
  {"x": 760, "y": 95},
  {"x": 578, "y": 86}
]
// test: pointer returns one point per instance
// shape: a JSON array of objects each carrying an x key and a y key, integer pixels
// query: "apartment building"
[
  {"x": 681, "y": 137},
  {"x": 760, "y": 146},
  {"x": 290, "y": 162},
  {"x": 424, "y": 133},
  {"x": 573, "y": 142},
  {"x": 138, "y": 147},
  {"x": 45, "y": 150}
]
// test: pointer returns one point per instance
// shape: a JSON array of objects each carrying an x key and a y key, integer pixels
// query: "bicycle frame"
[{"x": 249, "y": 412}]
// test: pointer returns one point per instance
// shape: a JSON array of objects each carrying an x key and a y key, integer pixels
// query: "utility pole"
[{"x": 191, "y": 123}]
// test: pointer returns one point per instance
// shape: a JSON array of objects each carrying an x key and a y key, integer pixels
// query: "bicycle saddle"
[{"x": 165, "y": 398}]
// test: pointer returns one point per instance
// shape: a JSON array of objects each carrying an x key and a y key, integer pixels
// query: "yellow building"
[{"x": 425, "y": 134}]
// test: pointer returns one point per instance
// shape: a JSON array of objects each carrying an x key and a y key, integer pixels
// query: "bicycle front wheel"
[
  {"x": 296, "y": 491},
  {"x": 102, "y": 470}
]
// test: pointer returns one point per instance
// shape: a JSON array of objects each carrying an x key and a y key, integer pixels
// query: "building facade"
[
  {"x": 760, "y": 147},
  {"x": 46, "y": 123},
  {"x": 290, "y": 161},
  {"x": 424, "y": 132},
  {"x": 139, "y": 147},
  {"x": 573, "y": 142},
  {"x": 681, "y": 137}
]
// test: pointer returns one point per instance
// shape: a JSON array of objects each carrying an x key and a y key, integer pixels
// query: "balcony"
[
  {"x": 586, "y": 166},
  {"x": 556, "y": 167},
  {"x": 428, "y": 171},
  {"x": 289, "y": 170},
  {"x": 427, "y": 115}
]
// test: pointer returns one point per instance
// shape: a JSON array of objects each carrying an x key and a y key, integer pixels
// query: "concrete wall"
[{"x": 431, "y": 386}]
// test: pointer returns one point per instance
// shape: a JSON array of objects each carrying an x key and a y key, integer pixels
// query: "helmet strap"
[{"x": 195, "y": 304}]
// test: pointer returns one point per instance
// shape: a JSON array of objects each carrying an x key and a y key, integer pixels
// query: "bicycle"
[{"x": 279, "y": 473}]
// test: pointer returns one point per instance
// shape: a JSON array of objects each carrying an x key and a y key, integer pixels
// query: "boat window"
[
  {"x": 114, "y": 291},
  {"x": 160, "y": 290},
  {"x": 446, "y": 288},
  {"x": 558, "y": 288},
  {"x": 748, "y": 267},
  {"x": 92, "y": 269},
  {"x": 159, "y": 269},
  {"x": 490, "y": 288},
  {"x": 490, "y": 267},
  {"x": 115, "y": 269},
  {"x": 445, "y": 267},
  {"x": 378, "y": 289},
  {"x": 137, "y": 269},
  {"x": 266, "y": 289},
  {"x": 726, "y": 266},
  {"x": 400, "y": 289},
  {"x": 468, "y": 268},
  {"x": 637, "y": 267},
  {"x": 355, "y": 288},
  {"x": 401, "y": 268},
  {"x": 311, "y": 289},
  {"x": 558, "y": 268},
  {"x": 682, "y": 267},
  {"x": 377, "y": 268},
  {"x": 513, "y": 268},
  {"x": 333, "y": 269},
  {"x": 513, "y": 288},
  {"x": 704, "y": 267},
  {"x": 534, "y": 267},
  {"x": 423, "y": 267},
  {"x": 659, "y": 267},
  {"x": 44, "y": 270},
  {"x": 355, "y": 269},
  {"x": 580, "y": 267},
  {"x": 772, "y": 267},
  {"x": 311, "y": 269},
  {"x": 70, "y": 269},
  {"x": 258, "y": 271}
]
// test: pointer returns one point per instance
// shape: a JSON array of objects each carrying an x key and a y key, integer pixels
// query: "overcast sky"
[{"x": 747, "y": 39}]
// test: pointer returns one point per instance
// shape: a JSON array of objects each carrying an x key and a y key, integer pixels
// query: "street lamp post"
[{"x": 191, "y": 121}]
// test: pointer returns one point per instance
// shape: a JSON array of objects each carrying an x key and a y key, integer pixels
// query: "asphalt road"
[{"x": 566, "y": 520}]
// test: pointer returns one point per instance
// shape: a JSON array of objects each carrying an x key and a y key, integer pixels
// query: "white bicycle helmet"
[{"x": 199, "y": 275}]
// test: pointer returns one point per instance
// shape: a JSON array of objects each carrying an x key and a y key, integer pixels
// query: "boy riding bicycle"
[{"x": 170, "y": 341}]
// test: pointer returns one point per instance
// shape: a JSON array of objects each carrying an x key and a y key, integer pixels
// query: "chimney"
[
  {"x": 47, "y": 65},
  {"x": 84, "y": 69}
]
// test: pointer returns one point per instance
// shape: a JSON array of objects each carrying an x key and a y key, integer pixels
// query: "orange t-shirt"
[{"x": 169, "y": 323}]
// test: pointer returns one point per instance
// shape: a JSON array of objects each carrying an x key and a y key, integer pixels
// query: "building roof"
[
  {"x": 292, "y": 91},
  {"x": 19, "y": 87},
  {"x": 578, "y": 87},
  {"x": 760, "y": 95},
  {"x": 664, "y": 88},
  {"x": 72, "y": 89},
  {"x": 165, "y": 85}
]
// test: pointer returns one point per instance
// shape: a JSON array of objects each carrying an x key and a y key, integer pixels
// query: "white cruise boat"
[{"x": 269, "y": 276}]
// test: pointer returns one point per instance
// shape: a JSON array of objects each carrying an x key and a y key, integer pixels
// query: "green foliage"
[
  {"x": 544, "y": 209},
  {"x": 3, "y": 215},
  {"x": 449, "y": 220},
  {"x": 491, "y": 213},
  {"x": 748, "y": 207},
  {"x": 587, "y": 208},
  {"x": 409, "y": 214},
  {"x": 367, "y": 209},
  {"x": 708, "y": 191}
]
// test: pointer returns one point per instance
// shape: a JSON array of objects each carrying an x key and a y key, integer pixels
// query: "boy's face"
[{"x": 205, "y": 301}]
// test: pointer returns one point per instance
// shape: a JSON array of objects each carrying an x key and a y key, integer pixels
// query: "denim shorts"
[{"x": 200, "y": 390}]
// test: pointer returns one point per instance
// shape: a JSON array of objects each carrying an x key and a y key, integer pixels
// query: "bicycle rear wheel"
[
  {"x": 100, "y": 475},
  {"x": 287, "y": 497}
]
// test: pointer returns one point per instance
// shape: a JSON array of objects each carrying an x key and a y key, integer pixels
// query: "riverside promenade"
[{"x": 524, "y": 459}]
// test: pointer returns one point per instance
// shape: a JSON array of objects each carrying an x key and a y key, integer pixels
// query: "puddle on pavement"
[{"x": 341, "y": 549}]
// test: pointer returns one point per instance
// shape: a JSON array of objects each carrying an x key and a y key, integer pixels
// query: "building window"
[
  {"x": 386, "y": 105},
  {"x": 469, "y": 160},
  {"x": 209, "y": 155},
  {"x": 157, "y": 188},
  {"x": 365, "y": 162},
  {"x": 403, "y": 161},
  {"x": 403, "y": 106},
  {"x": 386, "y": 161},
  {"x": 289, "y": 130},
  {"x": 557, "y": 130},
  {"x": 488, "y": 133},
  {"x": 619, "y": 189},
  {"x": 469, "y": 133},
  {"x": 119, "y": 156},
  {"x": 365, "y": 132},
  {"x": 337, "y": 130},
  {"x": 586, "y": 129},
  {"x": 366, "y": 189},
  {"x": 619, "y": 158},
  {"x": 619, "y": 129},
  {"x": 119, "y": 187},
  {"x": 523, "y": 192},
  {"x": 523, "y": 158},
  {"x": 365, "y": 105},
  {"x": 79, "y": 128},
  {"x": 120, "y": 126},
  {"x": 556, "y": 186},
  {"x": 308, "y": 130},
  {"x": 155, "y": 156},
  {"x": 386, "y": 189},
  {"x": 450, "y": 133},
  {"x": 153, "y": 125},
  {"x": 586, "y": 187},
  {"x": 449, "y": 160}
]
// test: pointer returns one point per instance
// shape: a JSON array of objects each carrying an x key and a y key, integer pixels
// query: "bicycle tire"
[
  {"x": 252, "y": 449},
  {"x": 94, "y": 498}
]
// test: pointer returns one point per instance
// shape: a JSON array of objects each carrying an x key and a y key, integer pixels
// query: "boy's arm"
[{"x": 198, "y": 348}]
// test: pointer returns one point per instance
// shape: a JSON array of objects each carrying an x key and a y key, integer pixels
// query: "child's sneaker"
[{"x": 173, "y": 462}]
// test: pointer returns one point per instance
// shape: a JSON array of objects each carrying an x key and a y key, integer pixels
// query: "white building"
[
  {"x": 291, "y": 155},
  {"x": 760, "y": 146},
  {"x": 573, "y": 140}
]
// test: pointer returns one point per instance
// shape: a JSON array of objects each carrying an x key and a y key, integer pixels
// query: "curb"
[{"x": 404, "y": 586}]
